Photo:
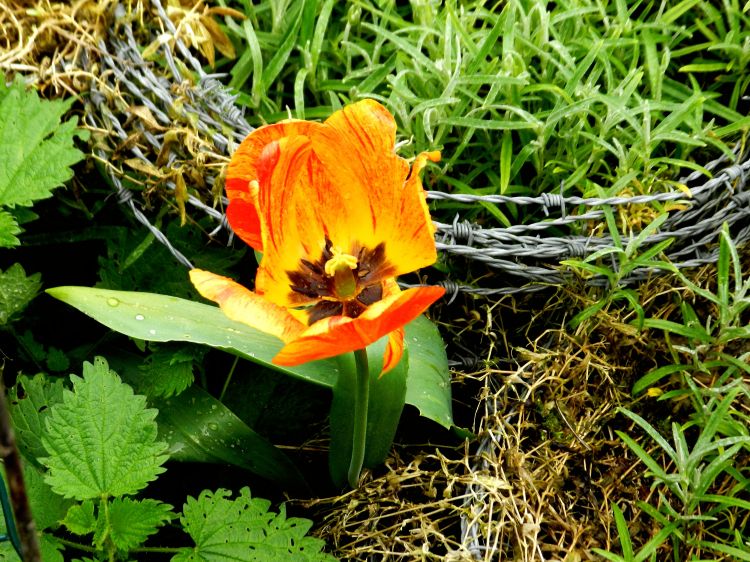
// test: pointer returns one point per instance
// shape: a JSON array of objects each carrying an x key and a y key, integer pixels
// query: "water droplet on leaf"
[
  {"x": 112, "y": 301},
  {"x": 139, "y": 317}
]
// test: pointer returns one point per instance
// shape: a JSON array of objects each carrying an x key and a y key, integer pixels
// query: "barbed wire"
[{"x": 179, "y": 93}]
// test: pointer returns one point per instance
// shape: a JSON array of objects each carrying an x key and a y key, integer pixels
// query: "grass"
[{"x": 523, "y": 97}]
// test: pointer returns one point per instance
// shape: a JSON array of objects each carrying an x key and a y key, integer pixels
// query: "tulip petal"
[
  {"x": 242, "y": 211},
  {"x": 379, "y": 199},
  {"x": 242, "y": 305},
  {"x": 338, "y": 334},
  {"x": 393, "y": 350},
  {"x": 292, "y": 228}
]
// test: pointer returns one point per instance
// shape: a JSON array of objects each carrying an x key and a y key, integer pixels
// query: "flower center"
[
  {"x": 341, "y": 283},
  {"x": 341, "y": 267}
]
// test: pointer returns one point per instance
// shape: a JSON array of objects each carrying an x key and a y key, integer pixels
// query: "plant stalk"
[{"x": 359, "y": 434}]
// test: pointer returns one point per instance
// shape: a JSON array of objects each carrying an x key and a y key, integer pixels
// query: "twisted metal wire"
[{"x": 526, "y": 255}]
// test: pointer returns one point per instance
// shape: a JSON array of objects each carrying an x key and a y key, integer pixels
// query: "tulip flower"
[{"x": 337, "y": 215}]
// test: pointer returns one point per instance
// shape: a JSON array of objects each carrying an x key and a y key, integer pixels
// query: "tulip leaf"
[
  {"x": 428, "y": 385},
  {"x": 154, "y": 317},
  {"x": 385, "y": 404},
  {"x": 199, "y": 428}
]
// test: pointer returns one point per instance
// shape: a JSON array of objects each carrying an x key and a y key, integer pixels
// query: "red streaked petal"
[
  {"x": 393, "y": 350},
  {"x": 242, "y": 171},
  {"x": 242, "y": 305},
  {"x": 338, "y": 334},
  {"x": 242, "y": 213}
]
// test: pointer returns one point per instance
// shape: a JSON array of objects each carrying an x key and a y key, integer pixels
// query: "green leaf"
[
  {"x": 245, "y": 531},
  {"x": 30, "y": 402},
  {"x": 80, "y": 518},
  {"x": 47, "y": 507},
  {"x": 199, "y": 428},
  {"x": 153, "y": 317},
  {"x": 8, "y": 230},
  {"x": 385, "y": 404},
  {"x": 132, "y": 522},
  {"x": 428, "y": 384},
  {"x": 16, "y": 291},
  {"x": 101, "y": 439},
  {"x": 36, "y": 149},
  {"x": 169, "y": 369}
]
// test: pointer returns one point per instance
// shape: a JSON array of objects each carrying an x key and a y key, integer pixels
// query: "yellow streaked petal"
[{"x": 242, "y": 305}]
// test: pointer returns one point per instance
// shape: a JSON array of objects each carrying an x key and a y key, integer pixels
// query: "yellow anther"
[
  {"x": 340, "y": 267},
  {"x": 340, "y": 262}
]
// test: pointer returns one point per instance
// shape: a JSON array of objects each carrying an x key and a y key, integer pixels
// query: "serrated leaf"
[
  {"x": 169, "y": 370},
  {"x": 36, "y": 149},
  {"x": 244, "y": 530},
  {"x": 8, "y": 230},
  {"x": 47, "y": 507},
  {"x": 132, "y": 522},
  {"x": 80, "y": 518},
  {"x": 101, "y": 439},
  {"x": 16, "y": 291},
  {"x": 57, "y": 361},
  {"x": 30, "y": 402}
]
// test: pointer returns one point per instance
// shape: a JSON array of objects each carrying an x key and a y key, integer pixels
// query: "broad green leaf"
[
  {"x": 242, "y": 529},
  {"x": 101, "y": 439},
  {"x": 30, "y": 402},
  {"x": 16, "y": 291},
  {"x": 154, "y": 317},
  {"x": 428, "y": 384},
  {"x": 36, "y": 149},
  {"x": 199, "y": 428},
  {"x": 131, "y": 522},
  {"x": 385, "y": 404}
]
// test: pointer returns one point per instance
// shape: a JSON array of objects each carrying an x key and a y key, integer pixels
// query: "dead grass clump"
[{"x": 45, "y": 40}]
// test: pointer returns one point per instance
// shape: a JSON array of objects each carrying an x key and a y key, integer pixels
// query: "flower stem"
[{"x": 360, "y": 416}]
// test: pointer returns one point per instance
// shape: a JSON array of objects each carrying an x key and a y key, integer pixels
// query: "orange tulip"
[{"x": 338, "y": 216}]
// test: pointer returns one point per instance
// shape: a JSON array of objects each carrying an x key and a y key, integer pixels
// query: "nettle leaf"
[
  {"x": 244, "y": 530},
  {"x": 101, "y": 439},
  {"x": 8, "y": 230},
  {"x": 80, "y": 518},
  {"x": 16, "y": 291},
  {"x": 132, "y": 522},
  {"x": 36, "y": 149},
  {"x": 30, "y": 402},
  {"x": 169, "y": 369}
]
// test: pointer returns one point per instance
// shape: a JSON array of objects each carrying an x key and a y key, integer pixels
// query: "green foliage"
[
  {"x": 16, "y": 291},
  {"x": 163, "y": 318},
  {"x": 36, "y": 151},
  {"x": 687, "y": 477},
  {"x": 31, "y": 399},
  {"x": 168, "y": 370},
  {"x": 101, "y": 440},
  {"x": 521, "y": 96},
  {"x": 706, "y": 343},
  {"x": 244, "y": 530}
]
